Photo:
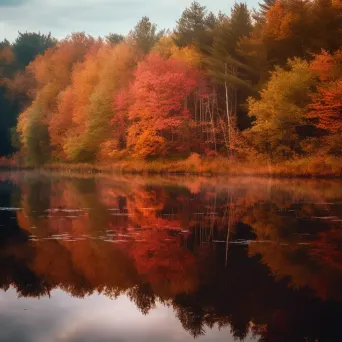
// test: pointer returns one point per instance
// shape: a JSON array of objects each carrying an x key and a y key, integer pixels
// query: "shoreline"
[{"x": 194, "y": 166}]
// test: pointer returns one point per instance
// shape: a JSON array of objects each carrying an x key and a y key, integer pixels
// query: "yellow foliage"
[
  {"x": 149, "y": 144},
  {"x": 164, "y": 46},
  {"x": 90, "y": 103},
  {"x": 167, "y": 48},
  {"x": 189, "y": 54},
  {"x": 23, "y": 125},
  {"x": 109, "y": 150}
]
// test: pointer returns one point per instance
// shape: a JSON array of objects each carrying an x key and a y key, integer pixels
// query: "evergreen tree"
[
  {"x": 114, "y": 38},
  {"x": 193, "y": 27},
  {"x": 28, "y": 45},
  {"x": 226, "y": 66},
  {"x": 260, "y": 16},
  {"x": 145, "y": 35}
]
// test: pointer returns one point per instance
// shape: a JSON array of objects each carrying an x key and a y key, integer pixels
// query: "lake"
[{"x": 133, "y": 258}]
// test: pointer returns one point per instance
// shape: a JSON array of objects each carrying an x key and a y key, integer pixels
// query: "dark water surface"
[{"x": 132, "y": 258}]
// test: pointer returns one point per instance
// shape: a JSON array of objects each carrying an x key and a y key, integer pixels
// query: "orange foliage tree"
[
  {"x": 326, "y": 108},
  {"x": 52, "y": 74},
  {"x": 86, "y": 106},
  {"x": 70, "y": 117}
]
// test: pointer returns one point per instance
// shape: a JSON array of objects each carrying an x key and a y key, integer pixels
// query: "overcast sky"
[{"x": 96, "y": 17}]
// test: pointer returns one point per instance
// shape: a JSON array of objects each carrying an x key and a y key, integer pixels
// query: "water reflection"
[{"x": 253, "y": 257}]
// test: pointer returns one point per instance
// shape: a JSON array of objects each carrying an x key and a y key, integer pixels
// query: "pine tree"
[
  {"x": 114, "y": 38},
  {"x": 260, "y": 16},
  {"x": 145, "y": 35},
  {"x": 225, "y": 65},
  {"x": 193, "y": 25}
]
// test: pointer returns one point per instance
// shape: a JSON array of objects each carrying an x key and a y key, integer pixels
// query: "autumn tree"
[
  {"x": 325, "y": 24},
  {"x": 326, "y": 108},
  {"x": 80, "y": 128},
  {"x": 281, "y": 109},
  {"x": 287, "y": 32},
  {"x": 52, "y": 74},
  {"x": 167, "y": 48},
  {"x": 297, "y": 28},
  {"x": 290, "y": 28},
  {"x": 158, "y": 105},
  {"x": 115, "y": 73},
  {"x": 71, "y": 106}
]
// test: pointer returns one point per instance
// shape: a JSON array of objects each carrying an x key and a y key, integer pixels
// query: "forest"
[{"x": 255, "y": 87}]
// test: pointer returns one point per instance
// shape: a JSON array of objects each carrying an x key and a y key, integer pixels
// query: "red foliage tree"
[
  {"x": 158, "y": 100},
  {"x": 326, "y": 108}
]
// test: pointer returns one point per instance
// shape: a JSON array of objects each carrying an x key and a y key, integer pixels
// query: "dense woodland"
[{"x": 261, "y": 84}]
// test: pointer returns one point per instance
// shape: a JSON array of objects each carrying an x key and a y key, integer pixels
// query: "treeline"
[
  {"x": 248, "y": 85},
  {"x": 14, "y": 58}
]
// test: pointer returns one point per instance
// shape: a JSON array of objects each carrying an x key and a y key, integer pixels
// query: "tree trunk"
[{"x": 227, "y": 110}]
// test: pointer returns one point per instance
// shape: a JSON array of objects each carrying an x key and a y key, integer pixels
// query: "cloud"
[
  {"x": 96, "y": 17},
  {"x": 11, "y": 3}
]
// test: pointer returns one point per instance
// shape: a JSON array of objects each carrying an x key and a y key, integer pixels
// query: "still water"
[{"x": 132, "y": 258}]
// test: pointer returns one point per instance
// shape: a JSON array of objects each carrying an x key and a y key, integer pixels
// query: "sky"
[{"x": 95, "y": 17}]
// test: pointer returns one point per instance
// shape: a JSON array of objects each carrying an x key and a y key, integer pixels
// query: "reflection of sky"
[{"x": 95, "y": 318}]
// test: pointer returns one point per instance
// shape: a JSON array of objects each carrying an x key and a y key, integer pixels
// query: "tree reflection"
[{"x": 259, "y": 256}]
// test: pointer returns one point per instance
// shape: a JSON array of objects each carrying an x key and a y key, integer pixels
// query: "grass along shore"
[
  {"x": 304, "y": 167},
  {"x": 329, "y": 167}
]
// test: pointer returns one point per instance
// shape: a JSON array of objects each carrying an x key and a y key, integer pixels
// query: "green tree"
[
  {"x": 193, "y": 28},
  {"x": 280, "y": 111},
  {"x": 211, "y": 20},
  {"x": 7, "y": 108},
  {"x": 29, "y": 44},
  {"x": 114, "y": 38},
  {"x": 5, "y": 43},
  {"x": 261, "y": 15},
  {"x": 25, "y": 49},
  {"x": 228, "y": 68},
  {"x": 224, "y": 59},
  {"x": 38, "y": 140},
  {"x": 145, "y": 35}
]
